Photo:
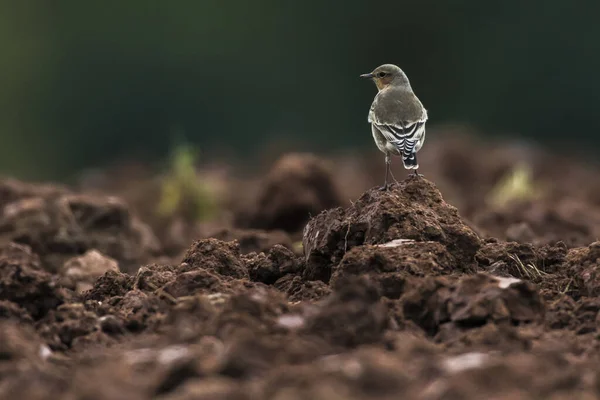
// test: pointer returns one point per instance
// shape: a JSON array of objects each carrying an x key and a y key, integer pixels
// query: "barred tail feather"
[{"x": 410, "y": 161}]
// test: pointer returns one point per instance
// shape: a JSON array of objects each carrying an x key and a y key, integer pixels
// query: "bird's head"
[{"x": 386, "y": 75}]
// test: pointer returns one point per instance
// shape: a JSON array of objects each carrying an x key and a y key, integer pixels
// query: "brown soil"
[
  {"x": 412, "y": 210},
  {"x": 297, "y": 186},
  {"x": 398, "y": 295}
]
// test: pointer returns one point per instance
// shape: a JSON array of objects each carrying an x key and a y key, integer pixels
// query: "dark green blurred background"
[{"x": 85, "y": 83}]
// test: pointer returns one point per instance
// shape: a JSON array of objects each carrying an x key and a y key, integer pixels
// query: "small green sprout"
[
  {"x": 183, "y": 192},
  {"x": 517, "y": 185}
]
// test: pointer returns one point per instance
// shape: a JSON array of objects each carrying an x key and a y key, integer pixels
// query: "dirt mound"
[
  {"x": 440, "y": 305},
  {"x": 542, "y": 222},
  {"x": 253, "y": 240},
  {"x": 393, "y": 265},
  {"x": 108, "y": 285},
  {"x": 298, "y": 186},
  {"x": 214, "y": 255},
  {"x": 80, "y": 273},
  {"x": 545, "y": 265},
  {"x": 12, "y": 190},
  {"x": 413, "y": 210},
  {"x": 63, "y": 327},
  {"x": 297, "y": 289},
  {"x": 351, "y": 316},
  {"x": 24, "y": 282},
  {"x": 584, "y": 265},
  {"x": 59, "y": 225},
  {"x": 275, "y": 264}
]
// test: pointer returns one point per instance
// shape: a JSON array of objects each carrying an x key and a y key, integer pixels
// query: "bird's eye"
[{"x": 381, "y": 74}]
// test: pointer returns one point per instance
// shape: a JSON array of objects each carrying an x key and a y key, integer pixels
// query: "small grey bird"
[{"x": 397, "y": 117}]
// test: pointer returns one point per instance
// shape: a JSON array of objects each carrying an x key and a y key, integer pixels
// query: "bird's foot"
[
  {"x": 384, "y": 188},
  {"x": 416, "y": 175}
]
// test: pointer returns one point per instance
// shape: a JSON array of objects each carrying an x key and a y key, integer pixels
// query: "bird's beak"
[{"x": 367, "y": 76}]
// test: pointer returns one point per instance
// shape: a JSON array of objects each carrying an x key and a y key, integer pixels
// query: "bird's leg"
[
  {"x": 392, "y": 175},
  {"x": 388, "y": 161}
]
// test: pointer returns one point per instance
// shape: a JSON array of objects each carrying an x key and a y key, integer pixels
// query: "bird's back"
[{"x": 397, "y": 105}]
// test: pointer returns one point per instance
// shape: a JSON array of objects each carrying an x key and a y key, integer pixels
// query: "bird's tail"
[{"x": 410, "y": 160}]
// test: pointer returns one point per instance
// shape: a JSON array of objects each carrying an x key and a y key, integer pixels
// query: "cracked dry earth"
[{"x": 393, "y": 297}]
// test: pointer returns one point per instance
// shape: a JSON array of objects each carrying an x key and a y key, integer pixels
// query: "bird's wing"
[
  {"x": 396, "y": 127},
  {"x": 399, "y": 132}
]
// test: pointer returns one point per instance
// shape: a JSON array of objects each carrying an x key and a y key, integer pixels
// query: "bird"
[{"x": 397, "y": 118}]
